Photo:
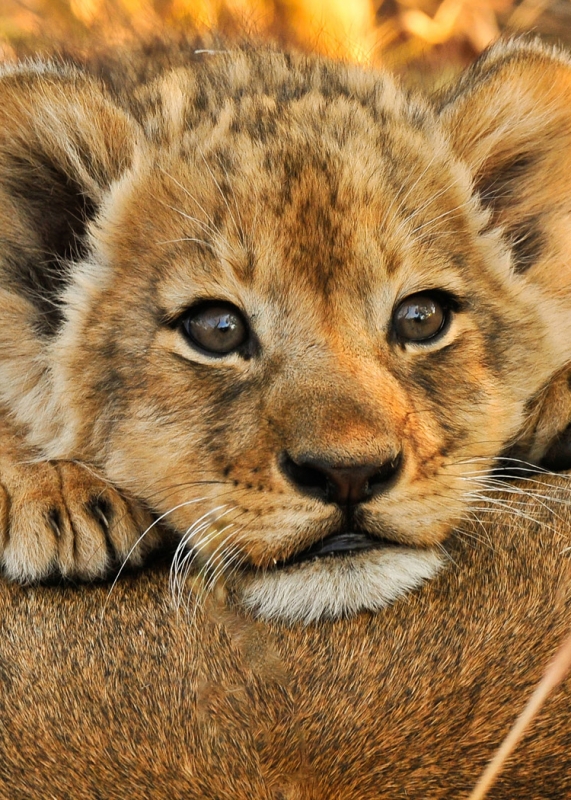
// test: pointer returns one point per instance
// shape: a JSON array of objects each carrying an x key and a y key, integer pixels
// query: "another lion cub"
[{"x": 280, "y": 305}]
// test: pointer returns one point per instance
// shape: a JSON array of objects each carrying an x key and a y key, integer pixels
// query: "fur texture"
[{"x": 313, "y": 198}]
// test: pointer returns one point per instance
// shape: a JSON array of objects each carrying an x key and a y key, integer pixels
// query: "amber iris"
[
  {"x": 216, "y": 328},
  {"x": 419, "y": 318}
]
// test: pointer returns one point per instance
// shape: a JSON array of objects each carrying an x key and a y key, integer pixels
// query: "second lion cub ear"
[
  {"x": 509, "y": 120},
  {"x": 62, "y": 144}
]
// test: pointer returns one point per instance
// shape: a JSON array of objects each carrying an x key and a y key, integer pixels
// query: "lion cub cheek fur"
[{"x": 314, "y": 197}]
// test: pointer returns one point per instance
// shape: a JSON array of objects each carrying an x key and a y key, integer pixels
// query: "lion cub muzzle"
[{"x": 344, "y": 486}]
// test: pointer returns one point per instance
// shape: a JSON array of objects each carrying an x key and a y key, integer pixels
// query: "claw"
[
  {"x": 54, "y": 521},
  {"x": 101, "y": 510}
]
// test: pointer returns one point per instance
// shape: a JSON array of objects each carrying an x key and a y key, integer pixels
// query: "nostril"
[
  {"x": 384, "y": 475},
  {"x": 340, "y": 484},
  {"x": 305, "y": 476}
]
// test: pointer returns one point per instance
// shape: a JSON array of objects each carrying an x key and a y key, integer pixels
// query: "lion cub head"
[{"x": 289, "y": 306}]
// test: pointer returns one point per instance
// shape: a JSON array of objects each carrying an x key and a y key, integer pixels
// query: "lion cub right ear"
[{"x": 63, "y": 142}]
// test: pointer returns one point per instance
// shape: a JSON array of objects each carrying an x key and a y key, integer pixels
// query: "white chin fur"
[{"x": 333, "y": 587}]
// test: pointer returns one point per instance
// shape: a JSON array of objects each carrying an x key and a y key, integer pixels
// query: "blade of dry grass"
[{"x": 553, "y": 676}]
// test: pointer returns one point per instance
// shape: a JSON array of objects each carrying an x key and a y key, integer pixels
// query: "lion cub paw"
[{"x": 57, "y": 517}]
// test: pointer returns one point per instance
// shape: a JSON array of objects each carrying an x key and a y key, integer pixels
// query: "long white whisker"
[
  {"x": 139, "y": 540},
  {"x": 234, "y": 200},
  {"x": 516, "y": 512},
  {"x": 182, "y": 565},
  {"x": 185, "y": 565},
  {"x": 186, "y": 239},
  {"x": 440, "y": 216},
  {"x": 182, "y": 555},
  {"x": 221, "y": 567}
]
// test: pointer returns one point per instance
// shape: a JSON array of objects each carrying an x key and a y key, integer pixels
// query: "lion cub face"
[
  {"x": 295, "y": 337},
  {"x": 290, "y": 326}
]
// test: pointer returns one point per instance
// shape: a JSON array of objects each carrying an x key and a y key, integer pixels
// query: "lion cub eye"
[
  {"x": 216, "y": 327},
  {"x": 420, "y": 317}
]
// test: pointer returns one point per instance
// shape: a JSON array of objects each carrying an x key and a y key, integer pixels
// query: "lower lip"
[{"x": 339, "y": 544}]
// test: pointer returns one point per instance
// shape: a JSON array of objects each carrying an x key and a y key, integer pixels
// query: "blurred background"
[{"x": 426, "y": 41}]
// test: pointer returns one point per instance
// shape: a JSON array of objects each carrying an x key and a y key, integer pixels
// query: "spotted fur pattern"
[{"x": 314, "y": 196}]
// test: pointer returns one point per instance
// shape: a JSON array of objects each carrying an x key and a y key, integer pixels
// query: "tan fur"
[
  {"x": 313, "y": 196},
  {"x": 113, "y": 694}
]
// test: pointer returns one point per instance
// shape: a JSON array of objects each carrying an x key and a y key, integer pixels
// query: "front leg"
[{"x": 61, "y": 518}]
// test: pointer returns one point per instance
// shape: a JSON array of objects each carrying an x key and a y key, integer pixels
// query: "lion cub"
[{"x": 279, "y": 306}]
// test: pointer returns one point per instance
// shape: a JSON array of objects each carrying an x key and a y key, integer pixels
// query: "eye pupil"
[
  {"x": 223, "y": 325},
  {"x": 216, "y": 328},
  {"x": 419, "y": 318}
]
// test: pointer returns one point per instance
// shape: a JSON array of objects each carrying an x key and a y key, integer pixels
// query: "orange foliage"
[{"x": 395, "y": 32}]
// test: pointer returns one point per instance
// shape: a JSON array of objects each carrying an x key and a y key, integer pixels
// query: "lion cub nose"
[{"x": 343, "y": 485}]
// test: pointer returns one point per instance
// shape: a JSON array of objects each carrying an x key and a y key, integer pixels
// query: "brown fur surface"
[
  {"x": 313, "y": 198},
  {"x": 111, "y": 695}
]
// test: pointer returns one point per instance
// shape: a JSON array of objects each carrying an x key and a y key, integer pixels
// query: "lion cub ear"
[
  {"x": 63, "y": 142},
  {"x": 509, "y": 120}
]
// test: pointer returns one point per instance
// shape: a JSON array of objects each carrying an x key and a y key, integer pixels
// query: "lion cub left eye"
[
  {"x": 217, "y": 328},
  {"x": 420, "y": 317}
]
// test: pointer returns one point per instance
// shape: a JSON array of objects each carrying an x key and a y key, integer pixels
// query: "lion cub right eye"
[{"x": 216, "y": 328}]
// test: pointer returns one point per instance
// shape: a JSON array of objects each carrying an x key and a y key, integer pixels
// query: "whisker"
[
  {"x": 234, "y": 199},
  {"x": 223, "y": 196},
  {"x": 186, "y": 239},
  {"x": 430, "y": 200},
  {"x": 446, "y": 554},
  {"x": 139, "y": 540},
  {"x": 515, "y": 512},
  {"x": 396, "y": 211},
  {"x": 220, "y": 554},
  {"x": 191, "y": 555},
  {"x": 189, "y": 217},
  {"x": 180, "y": 568},
  {"x": 182, "y": 554}
]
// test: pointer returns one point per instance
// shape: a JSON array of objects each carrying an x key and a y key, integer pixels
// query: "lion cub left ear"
[{"x": 509, "y": 121}]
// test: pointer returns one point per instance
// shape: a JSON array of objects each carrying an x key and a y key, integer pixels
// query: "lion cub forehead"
[
  {"x": 337, "y": 231},
  {"x": 268, "y": 171},
  {"x": 246, "y": 81}
]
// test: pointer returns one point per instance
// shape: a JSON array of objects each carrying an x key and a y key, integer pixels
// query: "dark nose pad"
[{"x": 339, "y": 484}]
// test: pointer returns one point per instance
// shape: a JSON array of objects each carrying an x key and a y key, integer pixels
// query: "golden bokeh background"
[{"x": 416, "y": 37}]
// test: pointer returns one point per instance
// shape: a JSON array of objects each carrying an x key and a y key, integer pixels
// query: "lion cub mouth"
[{"x": 335, "y": 545}]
